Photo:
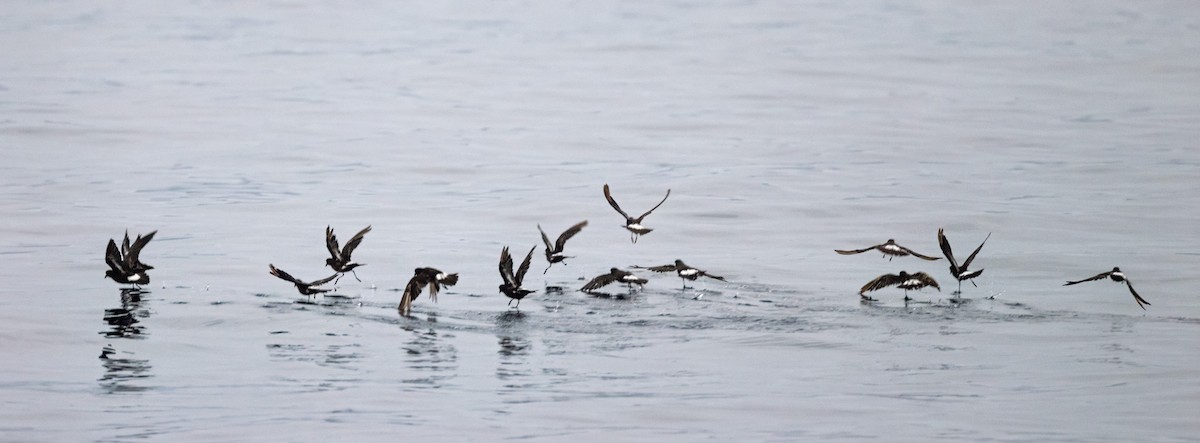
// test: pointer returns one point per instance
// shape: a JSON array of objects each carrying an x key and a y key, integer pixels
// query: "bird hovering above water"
[
  {"x": 1116, "y": 275},
  {"x": 339, "y": 258},
  {"x": 422, "y": 277},
  {"x": 904, "y": 280},
  {"x": 960, "y": 272},
  {"x": 124, "y": 264},
  {"x": 554, "y": 253},
  {"x": 306, "y": 288},
  {"x": 889, "y": 249},
  {"x": 614, "y": 275},
  {"x": 634, "y": 225},
  {"x": 684, "y": 271},
  {"x": 512, "y": 282}
]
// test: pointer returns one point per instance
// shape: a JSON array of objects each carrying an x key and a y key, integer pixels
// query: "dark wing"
[
  {"x": 854, "y": 251},
  {"x": 1141, "y": 301},
  {"x": 1097, "y": 277},
  {"x": 331, "y": 244},
  {"x": 112, "y": 256},
  {"x": 601, "y": 281},
  {"x": 433, "y": 290},
  {"x": 915, "y": 254},
  {"x": 125, "y": 246},
  {"x": 411, "y": 291},
  {"x": 323, "y": 280},
  {"x": 135, "y": 250},
  {"x": 354, "y": 242},
  {"x": 566, "y": 235},
  {"x": 967, "y": 264},
  {"x": 613, "y": 203},
  {"x": 945, "y": 244},
  {"x": 925, "y": 278},
  {"x": 714, "y": 277},
  {"x": 664, "y": 200},
  {"x": 546, "y": 240},
  {"x": 283, "y": 275},
  {"x": 524, "y": 267},
  {"x": 663, "y": 268},
  {"x": 506, "y": 266},
  {"x": 880, "y": 282}
]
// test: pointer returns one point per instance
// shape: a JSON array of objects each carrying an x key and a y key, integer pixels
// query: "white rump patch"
[
  {"x": 689, "y": 272},
  {"x": 635, "y": 226}
]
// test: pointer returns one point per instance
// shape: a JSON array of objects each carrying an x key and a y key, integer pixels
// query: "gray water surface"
[{"x": 784, "y": 130}]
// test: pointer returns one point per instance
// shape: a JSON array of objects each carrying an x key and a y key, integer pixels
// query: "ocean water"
[{"x": 784, "y": 130}]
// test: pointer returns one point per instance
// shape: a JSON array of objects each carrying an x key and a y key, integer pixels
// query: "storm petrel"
[
  {"x": 1116, "y": 275},
  {"x": 512, "y": 283},
  {"x": 554, "y": 253},
  {"x": 889, "y": 249},
  {"x": 614, "y": 275},
  {"x": 306, "y": 288},
  {"x": 119, "y": 269},
  {"x": 124, "y": 264},
  {"x": 339, "y": 258},
  {"x": 423, "y": 277},
  {"x": 684, "y": 271},
  {"x": 634, "y": 225},
  {"x": 961, "y": 272},
  {"x": 905, "y": 281}
]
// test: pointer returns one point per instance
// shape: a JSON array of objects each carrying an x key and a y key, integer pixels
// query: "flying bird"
[
  {"x": 889, "y": 249},
  {"x": 634, "y": 225},
  {"x": 124, "y": 264},
  {"x": 306, "y": 288},
  {"x": 423, "y": 277},
  {"x": 554, "y": 253},
  {"x": 684, "y": 271},
  {"x": 961, "y": 272},
  {"x": 1116, "y": 275},
  {"x": 614, "y": 275},
  {"x": 512, "y": 282},
  {"x": 339, "y": 258},
  {"x": 905, "y": 281}
]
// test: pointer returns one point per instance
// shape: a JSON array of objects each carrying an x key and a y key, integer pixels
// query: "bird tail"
[{"x": 450, "y": 280}]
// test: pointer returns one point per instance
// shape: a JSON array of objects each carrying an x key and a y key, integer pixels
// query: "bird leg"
[
  {"x": 339, "y": 277},
  {"x": 355, "y": 274},
  {"x": 547, "y": 268}
]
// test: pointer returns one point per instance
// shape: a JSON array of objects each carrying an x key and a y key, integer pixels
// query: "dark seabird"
[
  {"x": 961, "y": 272},
  {"x": 554, "y": 253},
  {"x": 905, "y": 281},
  {"x": 614, "y": 275},
  {"x": 1116, "y": 275},
  {"x": 423, "y": 277},
  {"x": 634, "y": 225},
  {"x": 512, "y": 283},
  {"x": 339, "y": 258},
  {"x": 889, "y": 249},
  {"x": 124, "y": 264},
  {"x": 684, "y": 271},
  {"x": 306, "y": 288}
]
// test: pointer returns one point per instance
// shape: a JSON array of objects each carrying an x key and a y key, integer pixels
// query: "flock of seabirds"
[{"x": 126, "y": 267}]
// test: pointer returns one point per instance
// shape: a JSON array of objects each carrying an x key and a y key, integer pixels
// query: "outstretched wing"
[
  {"x": 411, "y": 291},
  {"x": 613, "y": 203},
  {"x": 854, "y": 251},
  {"x": 331, "y": 244},
  {"x": 112, "y": 256},
  {"x": 1097, "y": 277},
  {"x": 714, "y": 277},
  {"x": 600, "y": 281},
  {"x": 506, "y": 266},
  {"x": 546, "y": 240},
  {"x": 283, "y": 275},
  {"x": 880, "y": 282},
  {"x": 323, "y": 280},
  {"x": 925, "y": 278},
  {"x": 915, "y": 254},
  {"x": 524, "y": 267},
  {"x": 566, "y": 235},
  {"x": 967, "y": 264},
  {"x": 354, "y": 242},
  {"x": 125, "y": 247},
  {"x": 1141, "y": 301},
  {"x": 663, "y": 268},
  {"x": 945, "y": 244},
  {"x": 136, "y": 249},
  {"x": 664, "y": 200}
]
